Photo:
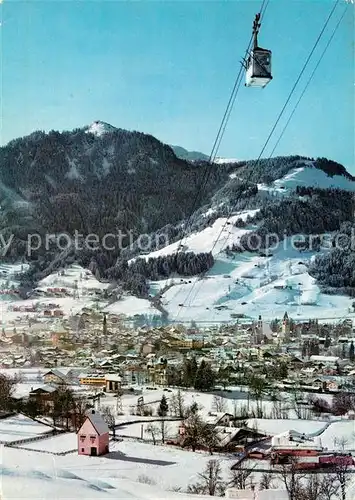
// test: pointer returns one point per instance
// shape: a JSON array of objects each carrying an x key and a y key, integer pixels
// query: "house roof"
[
  {"x": 325, "y": 359},
  {"x": 55, "y": 372},
  {"x": 113, "y": 377},
  {"x": 213, "y": 418},
  {"x": 98, "y": 422},
  {"x": 44, "y": 388}
]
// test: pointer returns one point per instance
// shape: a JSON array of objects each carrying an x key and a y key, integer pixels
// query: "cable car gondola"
[{"x": 258, "y": 64}]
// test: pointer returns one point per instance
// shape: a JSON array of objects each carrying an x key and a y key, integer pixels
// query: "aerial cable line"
[
  {"x": 234, "y": 94},
  {"x": 268, "y": 140},
  {"x": 224, "y": 123},
  {"x": 233, "y": 98},
  {"x": 221, "y": 130},
  {"x": 217, "y": 141},
  {"x": 309, "y": 81}
]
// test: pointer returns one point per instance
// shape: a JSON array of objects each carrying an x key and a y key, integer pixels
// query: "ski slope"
[
  {"x": 308, "y": 176},
  {"x": 222, "y": 231},
  {"x": 249, "y": 284},
  {"x": 253, "y": 285}
]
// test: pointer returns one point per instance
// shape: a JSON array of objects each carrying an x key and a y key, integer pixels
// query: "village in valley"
[{"x": 248, "y": 409}]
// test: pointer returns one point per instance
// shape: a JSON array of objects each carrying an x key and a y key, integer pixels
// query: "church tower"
[{"x": 286, "y": 327}]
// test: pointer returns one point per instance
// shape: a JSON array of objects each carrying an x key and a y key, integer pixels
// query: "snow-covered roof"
[
  {"x": 98, "y": 422},
  {"x": 45, "y": 388},
  {"x": 113, "y": 377},
  {"x": 55, "y": 372},
  {"x": 215, "y": 417},
  {"x": 325, "y": 359}
]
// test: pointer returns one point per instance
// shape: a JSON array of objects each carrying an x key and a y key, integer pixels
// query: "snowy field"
[
  {"x": 139, "y": 430},
  {"x": 168, "y": 467},
  {"x": 253, "y": 285},
  {"x": 75, "y": 277},
  {"x": 131, "y": 306},
  {"x": 20, "y": 427},
  {"x": 55, "y": 444},
  {"x": 246, "y": 284},
  {"x": 339, "y": 435},
  {"x": 272, "y": 427},
  {"x": 309, "y": 176},
  {"x": 221, "y": 229}
]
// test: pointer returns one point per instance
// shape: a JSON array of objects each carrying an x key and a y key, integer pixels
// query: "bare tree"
[
  {"x": 211, "y": 482},
  {"x": 343, "y": 478},
  {"x": 63, "y": 405},
  {"x": 329, "y": 487},
  {"x": 119, "y": 408},
  {"x": 292, "y": 480},
  {"x": 209, "y": 438},
  {"x": 108, "y": 416},
  {"x": 239, "y": 477},
  {"x": 177, "y": 405},
  {"x": 266, "y": 481},
  {"x": 340, "y": 443},
  {"x": 194, "y": 432},
  {"x": 219, "y": 404},
  {"x": 80, "y": 406},
  {"x": 277, "y": 409},
  {"x": 235, "y": 409},
  {"x": 7, "y": 388},
  {"x": 257, "y": 389},
  {"x": 153, "y": 430},
  {"x": 319, "y": 487},
  {"x": 312, "y": 488},
  {"x": 164, "y": 429}
]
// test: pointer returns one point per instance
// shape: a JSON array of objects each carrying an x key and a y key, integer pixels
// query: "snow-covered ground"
[
  {"x": 253, "y": 285},
  {"x": 8, "y": 279},
  {"x": 130, "y": 306},
  {"x": 100, "y": 128},
  {"x": 272, "y": 427},
  {"x": 339, "y": 435},
  {"x": 167, "y": 467},
  {"x": 223, "y": 230},
  {"x": 247, "y": 284},
  {"x": 250, "y": 284},
  {"x": 55, "y": 444},
  {"x": 139, "y": 430},
  {"x": 75, "y": 277},
  {"x": 19, "y": 427},
  {"x": 314, "y": 177}
]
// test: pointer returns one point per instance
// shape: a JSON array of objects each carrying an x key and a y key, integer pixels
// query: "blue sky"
[{"x": 167, "y": 68}]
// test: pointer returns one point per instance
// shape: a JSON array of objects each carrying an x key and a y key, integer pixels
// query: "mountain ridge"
[{"x": 101, "y": 179}]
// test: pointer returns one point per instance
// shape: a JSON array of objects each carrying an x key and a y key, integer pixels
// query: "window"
[
  {"x": 82, "y": 438},
  {"x": 82, "y": 450}
]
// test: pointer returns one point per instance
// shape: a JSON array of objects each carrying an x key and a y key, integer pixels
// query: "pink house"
[{"x": 93, "y": 435}]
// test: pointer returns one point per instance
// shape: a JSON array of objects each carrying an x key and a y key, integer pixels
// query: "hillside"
[
  {"x": 184, "y": 154},
  {"x": 100, "y": 180}
]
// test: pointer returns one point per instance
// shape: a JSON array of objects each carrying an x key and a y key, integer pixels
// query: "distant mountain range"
[
  {"x": 189, "y": 155},
  {"x": 101, "y": 179}
]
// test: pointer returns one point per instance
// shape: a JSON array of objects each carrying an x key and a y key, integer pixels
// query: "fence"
[{"x": 45, "y": 435}]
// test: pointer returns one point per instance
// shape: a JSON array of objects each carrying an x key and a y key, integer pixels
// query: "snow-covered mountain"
[
  {"x": 104, "y": 180},
  {"x": 184, "y": 154},
  {"x": 250, "y": 284},
  {"x": 99, "y": 128}
]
